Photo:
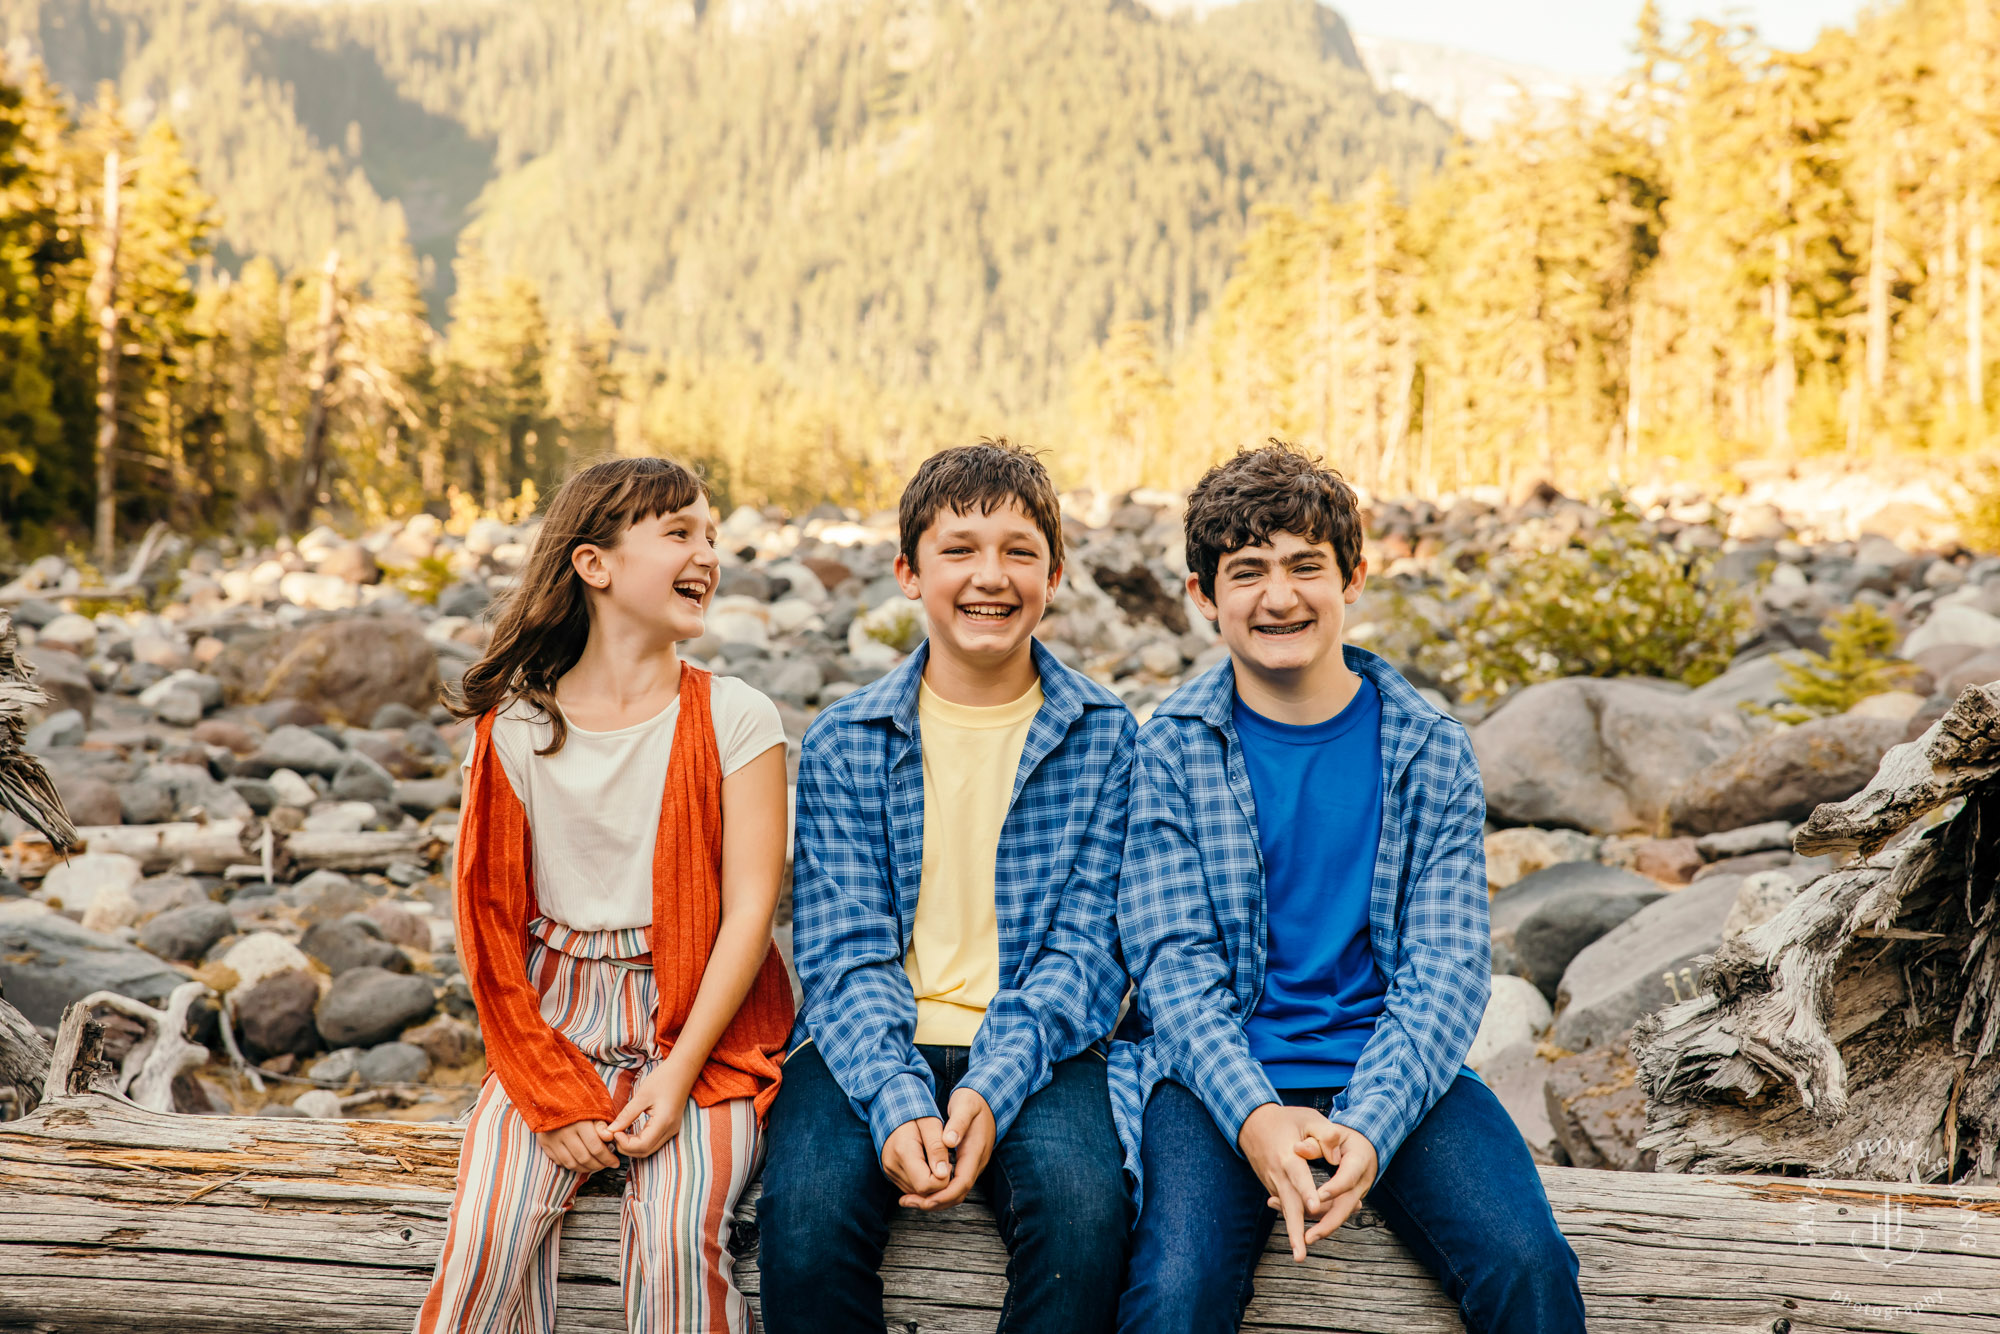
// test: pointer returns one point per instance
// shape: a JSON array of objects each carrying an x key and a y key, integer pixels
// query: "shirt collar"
[
  {"x": 1211, "y": 696},
  {"x": 894, "y": 697}
]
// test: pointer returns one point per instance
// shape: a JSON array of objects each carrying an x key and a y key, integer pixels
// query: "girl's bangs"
[{"x": 649, "y": 493}]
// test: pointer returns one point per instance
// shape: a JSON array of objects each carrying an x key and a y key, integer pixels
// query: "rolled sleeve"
[
  {"x": 848, "y": 943},
  {"x": 1174, "y": 945}
]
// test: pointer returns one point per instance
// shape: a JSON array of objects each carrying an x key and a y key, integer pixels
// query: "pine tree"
[{"x": 1856, "y": 665}]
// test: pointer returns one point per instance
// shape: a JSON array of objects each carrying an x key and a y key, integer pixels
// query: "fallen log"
[
  {"x": 1854, "y": 1034},
  {"x": 186, "y": 847},
  {"x": 367, "y": 851},
  {"x": 114, "y": 1218}
]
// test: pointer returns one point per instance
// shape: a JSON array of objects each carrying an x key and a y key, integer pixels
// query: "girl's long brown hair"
[{"x": 544, "y": 621}]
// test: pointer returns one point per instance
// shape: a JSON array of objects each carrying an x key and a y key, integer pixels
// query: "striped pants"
[{"x": 498, "y": 1271}]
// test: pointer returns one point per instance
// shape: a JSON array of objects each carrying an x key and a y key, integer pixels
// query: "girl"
[{"x": 620, "y": 846}]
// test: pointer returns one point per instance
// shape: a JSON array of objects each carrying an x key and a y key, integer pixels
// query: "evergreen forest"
[{"x": 266, "y": 261}]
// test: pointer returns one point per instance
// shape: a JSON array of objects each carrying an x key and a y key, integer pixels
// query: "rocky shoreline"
[{"x": 268, "y": 786}]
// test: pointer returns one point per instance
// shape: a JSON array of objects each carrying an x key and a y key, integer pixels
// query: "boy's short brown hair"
[
  {"x": 969, "y": 479},
  {"x": 1277, "y": 488}
]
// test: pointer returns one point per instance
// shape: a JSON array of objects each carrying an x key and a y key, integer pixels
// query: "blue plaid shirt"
[
  {"x": 1191, "y": 915},
  {"x": 858, "y": 866}
]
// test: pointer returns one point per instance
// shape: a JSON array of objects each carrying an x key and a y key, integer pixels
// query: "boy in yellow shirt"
[{"x": 960, "y": 830}]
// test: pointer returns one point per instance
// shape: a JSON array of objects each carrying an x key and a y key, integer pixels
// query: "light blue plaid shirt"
[
  {"x": 1191, "y": 915},
  {"x": 858, "y": 866}
]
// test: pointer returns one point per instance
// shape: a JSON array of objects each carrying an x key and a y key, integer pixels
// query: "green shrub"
[
  {"x": 430, "y": 576},
  {"x": 1979, "y": 516},
  {"x": 1614, "y": 601},
  {"x": 1857, "y": 664}
]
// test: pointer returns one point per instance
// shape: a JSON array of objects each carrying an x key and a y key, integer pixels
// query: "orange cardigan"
[{"x": 547, "y": 1077}]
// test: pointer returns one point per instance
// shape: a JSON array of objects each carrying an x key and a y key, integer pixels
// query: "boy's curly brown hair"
[{"x": 1276, "y": 488}]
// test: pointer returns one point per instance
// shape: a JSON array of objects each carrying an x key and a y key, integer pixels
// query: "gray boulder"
[
  {"x": 360, "y": 778},
  {"x": 90, "y": 801},
  {"x": 325, "y": 896},
  {"x": 1558, "y": 931},
  {"x": 394, "y": 1063},
  {"x": 257, "y": 793},
  {"x": 1598, "y": 1109},
  {"x": 66, "y": 727},
  {"x": 1783, "y": 775},
  {"x": 183, "y": 935},
  {"x": 370, "y": 1005},
  {"x": 1760, "y": 680},
  {"x": 146, "y": 801},
  {"x": 1518, "y": 902},
  {"x": 1598, "y": 755},
  {"x": 177, "y": 706},
  {"x": 1976, "y": 669},
  {"x": 421, "y": 796},
  {"x": 275, "y": 1016},
  {"x": 347, "y": 668},
  {"x": 1623, "y": 974},
  {"x": 197, "y": 794},
  {"x": 352, "y": 942},
  {"x": 299, "y": 749},
  {"x": 463, "y": 599},
  {"x": 48, "y": 961},
  {"x": 64, "y": 677},
  {"x": 1518, "y": 1077},
  {"x": 393, "y": 715}
]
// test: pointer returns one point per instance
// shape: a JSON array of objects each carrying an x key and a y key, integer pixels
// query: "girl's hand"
[
  {"x": 581, "y": 1147},
  {"x": 662, "y": 1101}
]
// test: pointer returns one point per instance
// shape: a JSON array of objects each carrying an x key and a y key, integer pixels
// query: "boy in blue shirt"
[
  {"x": 1303, "y": 907},
  {"x": 960, "y": 826}
]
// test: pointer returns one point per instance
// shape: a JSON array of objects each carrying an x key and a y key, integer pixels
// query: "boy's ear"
[
  {"x": 907, "y": 578},
  {"x": 590, "y": 566},
  {"x": 1203, "y": 603},
  {"x": 1352, "y": 593}
]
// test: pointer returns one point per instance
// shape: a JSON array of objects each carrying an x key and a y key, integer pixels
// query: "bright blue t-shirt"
[{"x": 1319, "y": 818}]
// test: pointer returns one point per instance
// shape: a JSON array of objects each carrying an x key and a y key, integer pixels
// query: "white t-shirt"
[{"x": 594, "y": 806}]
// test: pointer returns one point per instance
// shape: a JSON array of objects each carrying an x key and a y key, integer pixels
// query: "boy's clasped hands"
[
  {"x": 933, "y": 1162},
  {"x": 1279, "y": 1141},
  {"x": 593, "y": 1146}
]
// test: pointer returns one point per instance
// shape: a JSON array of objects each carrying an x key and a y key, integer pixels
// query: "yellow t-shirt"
[{"x": 970, "y": 758}]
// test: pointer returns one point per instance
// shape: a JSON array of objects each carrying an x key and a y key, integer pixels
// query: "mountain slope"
[{"x": 926, "y": 193}]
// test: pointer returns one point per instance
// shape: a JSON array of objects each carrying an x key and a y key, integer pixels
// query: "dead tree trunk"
[
  {"x": 104, "y": 302},
  {"x": 1854, "y": 1034},
  {"x": 319, "y": 381}
]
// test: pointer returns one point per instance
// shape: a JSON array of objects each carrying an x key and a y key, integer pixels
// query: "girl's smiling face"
[{"x": 663, "y": 571}]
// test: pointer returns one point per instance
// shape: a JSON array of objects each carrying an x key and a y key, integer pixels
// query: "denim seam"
[{"x": 1010, "y": 1229}]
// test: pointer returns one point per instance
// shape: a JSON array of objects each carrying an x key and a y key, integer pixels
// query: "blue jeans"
[
  {"x": 1056, "y": 1182},
  {"x": 1462, "y": 1193}
]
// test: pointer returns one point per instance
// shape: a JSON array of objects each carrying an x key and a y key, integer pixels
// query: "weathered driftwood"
[
  {"x": 186, "y": 847},
  {"x": 1854, "y": 1034},
  {"x": 367, "y": 851},
  {"x": 163, "y": 1055},
  {"x": 24, "y": 1061},
  {"x": 113, "y": 1218},
  {"x": 25, "y": 788},
  {"x": 223, "y": 847}
]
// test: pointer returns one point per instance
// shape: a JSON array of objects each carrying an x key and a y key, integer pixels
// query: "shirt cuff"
[
  {"x": 1377, "y": 1119},
  {"x": 999, "y": 1088},
  {"x": 1233, "y": 1099},
  {"x": 903, "y": 1099}
]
